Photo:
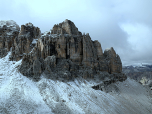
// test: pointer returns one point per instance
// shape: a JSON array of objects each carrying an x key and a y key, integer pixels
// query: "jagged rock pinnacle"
[{"x": 63, "y": 49}]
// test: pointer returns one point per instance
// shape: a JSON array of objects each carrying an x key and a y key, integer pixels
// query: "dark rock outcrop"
[
  {"x": 9, "y": 30},
  {"x": 114, "y": 61},
  {"x": 63, "y": 53}
]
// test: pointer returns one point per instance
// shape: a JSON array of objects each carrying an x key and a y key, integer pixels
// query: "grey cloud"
[{"x": 100, "y": 18}]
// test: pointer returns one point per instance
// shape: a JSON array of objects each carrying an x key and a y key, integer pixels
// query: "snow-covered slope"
[{"x": 20, "y": 95}]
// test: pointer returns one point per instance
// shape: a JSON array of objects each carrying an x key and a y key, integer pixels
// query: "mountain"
[
  {"x": 141, "y": 73},
  {"x": 63, "y": 71},
  {"x": 21, "y": 95},
  {"x": 62, "y": 53}
]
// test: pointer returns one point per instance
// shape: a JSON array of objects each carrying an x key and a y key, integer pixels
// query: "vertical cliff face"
[
  {"x": 73, "y": 53},
  {"x": 114, "y": 61},
  {"x": 8, "y": 32},
  {"x": 25, "y": 41}
]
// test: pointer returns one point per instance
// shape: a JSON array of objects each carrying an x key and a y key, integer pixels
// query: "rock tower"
[{"x": 61, "y": 53}]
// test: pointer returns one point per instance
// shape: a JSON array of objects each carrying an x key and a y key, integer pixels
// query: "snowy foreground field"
[{"x": 20, "y": 95}]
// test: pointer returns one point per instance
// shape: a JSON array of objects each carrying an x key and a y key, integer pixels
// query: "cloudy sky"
[{"x": 125, "y": 25}]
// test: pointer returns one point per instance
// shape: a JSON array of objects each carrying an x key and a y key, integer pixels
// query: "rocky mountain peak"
[
  {"x": 62, "y": 53},
  {"x": 66, "y": 27},
  {"x": 28, "y": 28}
]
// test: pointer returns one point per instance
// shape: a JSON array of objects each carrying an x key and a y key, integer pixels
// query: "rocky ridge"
[
  {"x": 142, "y": 73},
  {"x": 62, "y": 53}
]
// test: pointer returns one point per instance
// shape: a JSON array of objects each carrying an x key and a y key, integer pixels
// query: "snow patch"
[
  {"x": 19, "y": 94},
  {"x": 9, "y": 23},
  {"x": 34, "y": 41}
]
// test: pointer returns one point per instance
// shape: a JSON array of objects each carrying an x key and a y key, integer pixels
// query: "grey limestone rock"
[
  {"x": 25, "y": 41},
  {"x": 8, "y": 32},
  {"x": 62, "y": 52}
]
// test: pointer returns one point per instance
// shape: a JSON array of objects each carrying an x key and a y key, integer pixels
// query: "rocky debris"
[
  {"x": 9, "y": 30},
  {"x": 108, "y": 81},
  {"x": 63, "y": 53},
  {"x": 107, "y": 88}
]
